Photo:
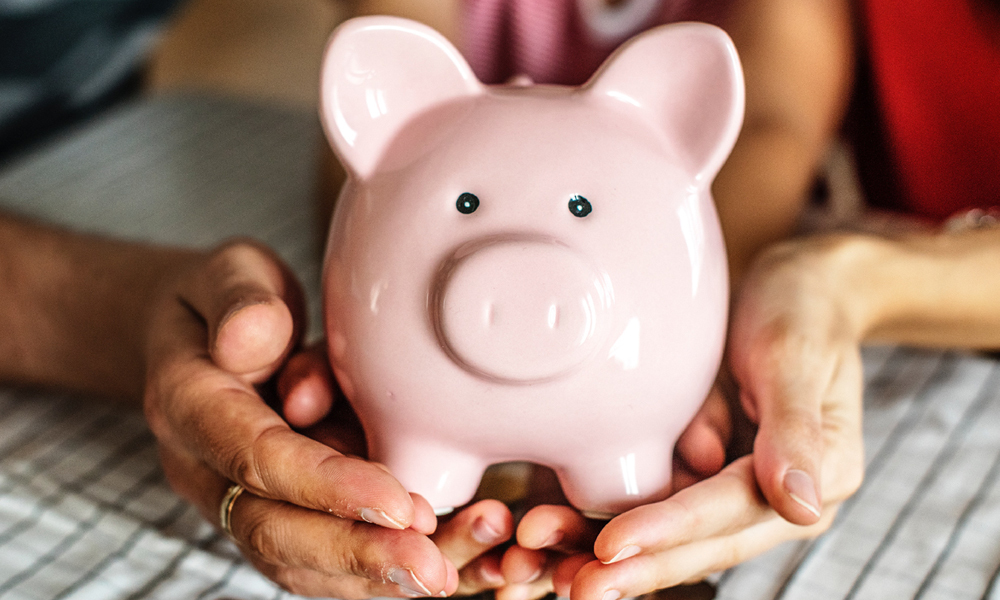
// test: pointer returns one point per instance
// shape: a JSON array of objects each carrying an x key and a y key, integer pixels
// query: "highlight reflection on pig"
[{"x": 527, "y": 272}]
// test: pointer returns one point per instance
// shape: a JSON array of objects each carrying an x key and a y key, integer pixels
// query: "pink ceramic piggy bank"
[{"x": 527, "y": 272}]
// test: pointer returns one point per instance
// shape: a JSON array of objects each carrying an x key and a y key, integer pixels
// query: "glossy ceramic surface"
[{"x": 527, "y": 272}]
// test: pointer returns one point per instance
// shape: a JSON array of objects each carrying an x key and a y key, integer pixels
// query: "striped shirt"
[{"x": 562, "y": 41}]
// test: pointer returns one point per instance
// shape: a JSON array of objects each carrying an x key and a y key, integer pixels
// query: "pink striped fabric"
[{"x": 561, "y": 41}]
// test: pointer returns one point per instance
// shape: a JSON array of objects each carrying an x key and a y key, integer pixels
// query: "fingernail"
[
  {"x": 378, "y": 517},
  {"x": 491, "y": 575},
  {"x": 534, "y": 576},
  {"x": 484, "y": 533},
  {"x": 555, "y": 538},
  {"x": 801, "y": 488},
  {"x": 517, "y": 592},
  {"x": 612, "y": 595},
  {"x": 626, "y": 552},
  {"x": 405, "y": 579}
]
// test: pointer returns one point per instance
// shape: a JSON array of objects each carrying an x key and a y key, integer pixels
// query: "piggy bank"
[{"x": 527, "y": 272}]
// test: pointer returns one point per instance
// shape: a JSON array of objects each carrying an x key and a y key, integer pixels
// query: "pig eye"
[
  {"x": 580, "y": 206},
  {"x": 467, "y": 203}
]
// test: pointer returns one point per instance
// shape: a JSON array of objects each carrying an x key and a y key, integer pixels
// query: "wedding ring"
[{"x": 226, "y": 507}]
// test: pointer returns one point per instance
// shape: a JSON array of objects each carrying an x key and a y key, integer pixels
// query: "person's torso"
[
  {"x": 561, "y": 41},
  {"x": 935, "y": 78}
]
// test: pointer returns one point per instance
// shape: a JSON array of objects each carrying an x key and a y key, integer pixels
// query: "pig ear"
[
  {"x": 687, "y": 80},
  {"x": 378, "y": 73}
]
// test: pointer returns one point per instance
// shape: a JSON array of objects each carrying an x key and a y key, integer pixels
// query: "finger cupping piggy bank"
[{"x": 527, "y": 272}]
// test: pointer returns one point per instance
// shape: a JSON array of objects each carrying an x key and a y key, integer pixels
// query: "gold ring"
[{"x": 226, "y": 507}]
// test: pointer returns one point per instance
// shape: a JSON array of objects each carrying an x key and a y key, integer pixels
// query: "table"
[{"x": 85, "y": 511}]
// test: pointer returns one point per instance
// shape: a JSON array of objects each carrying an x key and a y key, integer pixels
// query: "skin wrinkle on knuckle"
[
  {"x": 172, "y": 408},
  {"x": 250, "y": 462},
  {"x": 294, "y": 580},
  {"x": 270, "y": 537},
  {"x": 689, "y": 517},
  {"x": 262, "y": 538},
  {"x": 732, "y": 554},
  {"x": 668, "y": 573},
  {"x": 802, "y": 437},
  {"x": 348, "y": 561}
]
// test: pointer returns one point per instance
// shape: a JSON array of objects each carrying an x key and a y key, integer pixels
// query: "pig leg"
[
  {"x": 605, "y": 485},
  {"x": 445, "y": 476}
]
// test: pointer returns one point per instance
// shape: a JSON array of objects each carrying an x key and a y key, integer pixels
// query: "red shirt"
[{"x": 935, "y": 67}]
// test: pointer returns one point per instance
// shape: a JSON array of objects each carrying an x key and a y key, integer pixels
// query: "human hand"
[
  {"x": 554, "y": 541},
  {"x": 795, "y": 359},
  {"x": 472, "y": 538},
  {"x": 223, "y": 323}
]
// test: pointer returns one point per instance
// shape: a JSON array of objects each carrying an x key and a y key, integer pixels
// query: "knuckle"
[
  {"x": 162, "y": 395},
  {"x": 342, "y": 558},
  {"x": 689, "y": 517},
  {"x": 262, "y": 538},
  {"x": 231, "y": 250},
  {"x": 672, "y": 575},
  {"x": 802, "y": 425},
  {"x": 250, "y": 464},
  {"x": 732, "y": 554},
  {"x": 238, "y": 246},
  {"x": 238, "y": 252}
]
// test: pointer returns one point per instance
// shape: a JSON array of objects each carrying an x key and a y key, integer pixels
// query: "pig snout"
[{"x": 519, "y": 310}]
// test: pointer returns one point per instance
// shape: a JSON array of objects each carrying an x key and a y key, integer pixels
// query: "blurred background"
[{"x": 263, "y": 49}]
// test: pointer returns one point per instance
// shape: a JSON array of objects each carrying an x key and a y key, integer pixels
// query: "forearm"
[
  {"x": 760, "y": 193},
  {"x": 798, "y": 63},
  {"x": 73, "y": 308},
  {"x": 940, "y": 290}
]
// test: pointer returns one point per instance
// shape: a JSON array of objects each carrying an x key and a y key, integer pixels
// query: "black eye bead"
[
  {"x": 467, "y": 203},
  {"x": 580, "y": 206}
]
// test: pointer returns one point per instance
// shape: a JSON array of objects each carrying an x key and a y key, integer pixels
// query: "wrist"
[
  {"x": 939, "y": 289},
  {"x": 884, "y": 286},
  {"x": 835, "y": 274},
  {"x": 863, "y": 279}
]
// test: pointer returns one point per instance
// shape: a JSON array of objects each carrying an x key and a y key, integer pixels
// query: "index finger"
[
  {"x": 723, "y": 504},
  {"x": 557, "y": 527},
  {"x": 222, "y": 420}
]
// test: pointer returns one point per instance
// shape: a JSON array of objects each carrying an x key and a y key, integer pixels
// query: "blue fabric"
[{"x": 61, "y": 60}]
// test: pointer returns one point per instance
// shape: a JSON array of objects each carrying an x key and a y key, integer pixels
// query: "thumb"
[
  {"x": 787, "y": 402},
  {"x": 252, "y": 307},
  {"x": 787, "y": 455}
]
